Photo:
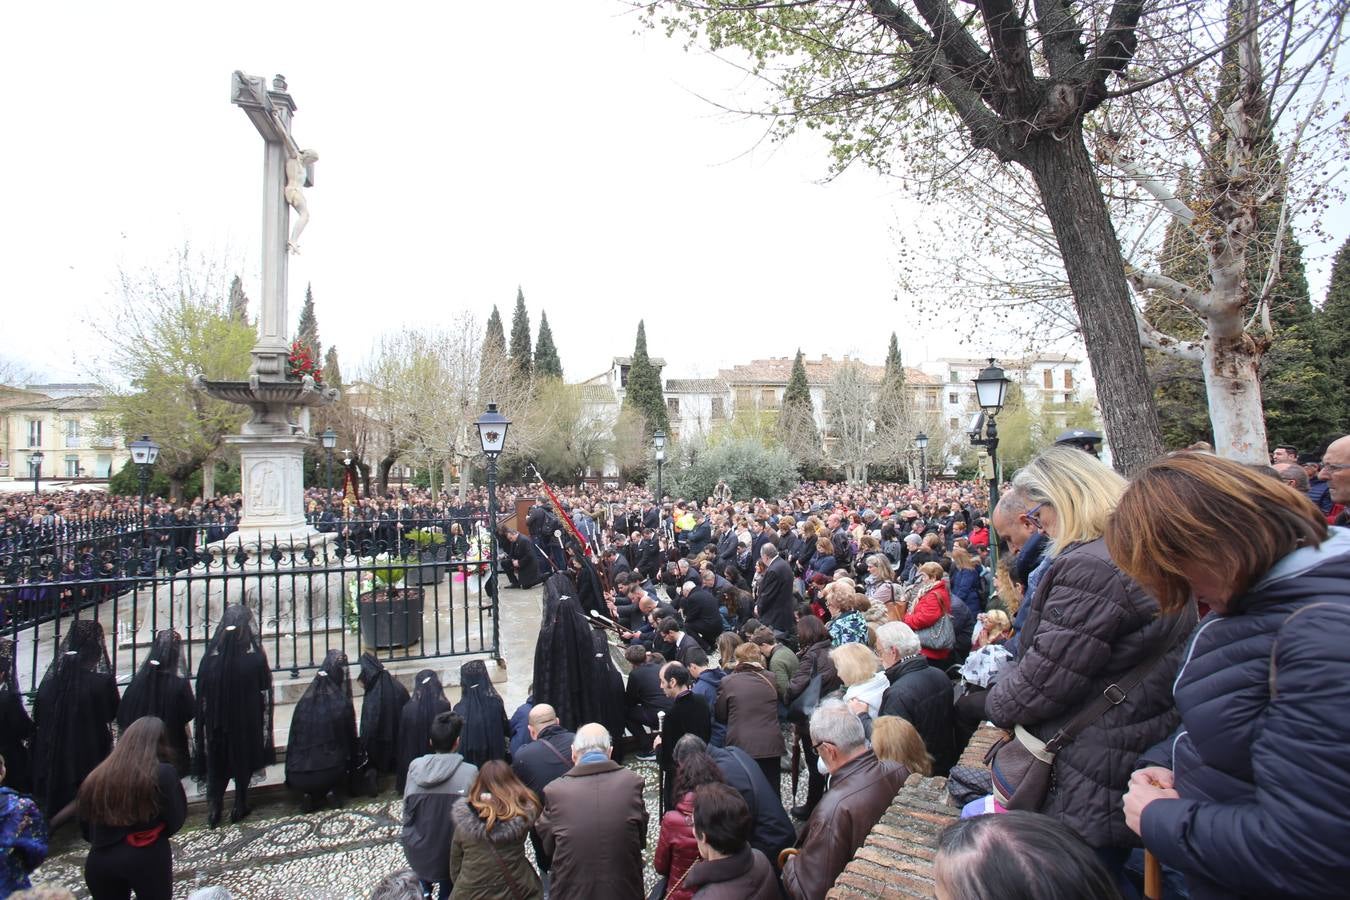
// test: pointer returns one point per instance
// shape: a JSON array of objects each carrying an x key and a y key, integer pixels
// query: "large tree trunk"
[
  {"x": 1233, "y": 388},
  {"x": 1087, "y": 242},
  {"x": 208, "y": 479}
]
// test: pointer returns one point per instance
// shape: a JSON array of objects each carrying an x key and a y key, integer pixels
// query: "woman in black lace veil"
[
  {"x": 163, "y": 688},
  {"x": 234, "y": 713},
  {"x": 76, "y": 705},
  {"x": 414, "y": 727},
  {"x": 323, "y": 749},
  {"x": 16, "y": 728},
  {"x": 563, "y": 653},
  {"x": 486, "y": 728},
  {"x": 385, "y": 697}
]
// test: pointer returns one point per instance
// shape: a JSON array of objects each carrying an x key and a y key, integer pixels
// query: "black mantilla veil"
[
  {"x": 381, "y": 708},
  {"x": 16, "y": 727},
  {"x": 414, "y": 727},
  {"x": 590, "y": 592},
  {"x": 606, "y": 687},
  {"x": 76, "y": 705},
  {"x": 564, "y": 655},
  {"x": 234, "y": 697},
  {"x": 323, "y": 740},
  {"x": 163, "y": 688},
  {"x": 484, "y": 714}
]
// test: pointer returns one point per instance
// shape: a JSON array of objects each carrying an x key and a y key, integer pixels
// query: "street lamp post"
[
  {"x": 659, "y": 442},
  {"x": 492, "y": 426},
  {"x": 35, "y": 463},
  {"x": 144, "y": 453},
  {"x": 329, "y": 441},
  {"x": 991, "y": 388},
  {"x": 921, "y": 441}
]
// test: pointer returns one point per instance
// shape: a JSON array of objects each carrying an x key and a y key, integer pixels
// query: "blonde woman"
[
  {"x": 881, "y": 589},
  {"x": 1089, "y": 626},
  {"x": 896, "y": 739},
  {"x": 864, "y": 682},
  {"x": 846, "y": 607}
]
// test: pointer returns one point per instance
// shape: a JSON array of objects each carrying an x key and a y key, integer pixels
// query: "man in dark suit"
[
  {"x": 680, "y": 642},
  {"x": 643, "y": 698},
  {"x": 701, "y": 618},
  {"x": 616, "y": 564},
  {"x": 546, "y": 757},
  {"x": 650, "y": 515},
  {"x": 700, "y": 535},
  {"x": 689, "y": 714},
  {"x": 774, "y": 603},
  {"x": 726, "y": 543},
  {"x": 522, "y": 565}
]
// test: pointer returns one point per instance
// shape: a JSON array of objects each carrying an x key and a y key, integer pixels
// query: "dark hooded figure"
[
  {"x": 590, "y": 592},
  {"x": 486, "y": 728},
  {"x": 16, "y": 728},
  {"x": 380, "y": 711},
  {"x": 234, "y": 713},
  {"x": 163, "y": 689},
  {"x": 605, "y": 689},
  {"x": 323, "y": 749},
  {"x": 414, "y": 725},
  {"x": 563, "y": 654},
  {"x": 76, "y": 705}
]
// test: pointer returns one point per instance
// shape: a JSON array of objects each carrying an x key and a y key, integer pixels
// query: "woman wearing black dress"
[
  {"x": 163, "y": 688},
  {"x": 414, "y": 727},
  {"x": 486, "y": 728},
  {"x": 381, "y": 708},
  {"x": 16, "y": 728},
  {"x": 76, "y": 705},
  {"x": 234, "y": 713},
  {"x": 323, "y": 749}
]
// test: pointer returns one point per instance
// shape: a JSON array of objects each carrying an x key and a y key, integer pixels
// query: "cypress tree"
[
  {"x": 494, "y": 341},
  {"x": 238, "y": 301},
  {"x": 644, "y": 393},
  {"x": 796, "y": 419},
  {"x": 332, "y": 373},
  {"x": 546, "y": 362},
  {"x": 308, "y": 331},
  {"x": 521, "y": 361},
  {"x": 1332, "y": 326},
  {"x": 892, "y": 399}
]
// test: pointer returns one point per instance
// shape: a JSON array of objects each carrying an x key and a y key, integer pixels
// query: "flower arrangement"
[{"x": 300, "y": 362}]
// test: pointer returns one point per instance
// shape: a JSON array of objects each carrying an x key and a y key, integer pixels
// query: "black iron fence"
[{"x": 405, "y": 589}]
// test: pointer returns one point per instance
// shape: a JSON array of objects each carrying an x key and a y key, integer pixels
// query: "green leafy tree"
[
  {"x": 546, "y": 362},
  {"x": 644, "y": 392},
  {"x": 892, "y": 412},
  {"x": 572, "y": 438},
  {"x": 169, "y": 327},
  {"x": 1333, "y": 323},
  {"x": 797, "y": 431},
  {"x": 521, "y": 360},
  {"x": 749, "y": 468},
  {"x": 308, "y": 331},
  {"x": 238, "y": 302}
]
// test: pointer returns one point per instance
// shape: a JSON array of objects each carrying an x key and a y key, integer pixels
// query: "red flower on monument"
[{"x": 301, "y": 362}]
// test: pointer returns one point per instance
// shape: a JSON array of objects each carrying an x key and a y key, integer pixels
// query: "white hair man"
[
  {"x": 918, "y": 693},
  {"x": 594, "y": 823},
  {"x": 861, "y": 788}
]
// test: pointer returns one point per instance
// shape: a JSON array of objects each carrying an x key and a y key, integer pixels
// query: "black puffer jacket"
[
  {"x": 1089, "y": 625},
  {"x": 922, "y": 695},
  {"x": 1263, "y": 781}
]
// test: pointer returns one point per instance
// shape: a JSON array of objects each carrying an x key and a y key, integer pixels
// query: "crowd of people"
[{"x": 1163, "y": 653}]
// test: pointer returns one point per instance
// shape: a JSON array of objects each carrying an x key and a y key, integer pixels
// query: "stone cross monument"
[{"x": 271, "y": 444}]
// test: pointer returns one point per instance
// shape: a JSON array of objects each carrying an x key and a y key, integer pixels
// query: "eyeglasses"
[
  {"x": 1030, "y": 516},
  {"x": 818, "y": 744},
  {"x": 1332, "y": 467}
]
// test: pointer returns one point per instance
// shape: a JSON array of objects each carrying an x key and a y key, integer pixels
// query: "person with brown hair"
[
  {"x": 1247, "y": 798},
  {"x": 488, "y": 848},
  {"x": 898, "y": 740},
  {"x": 814, "y": 662},
  {"x": 130, "y": 806},
  {"x": 729, "y": 868},
  {"x": 747, "y": 701},
  {"x": 676, "y": 846}
]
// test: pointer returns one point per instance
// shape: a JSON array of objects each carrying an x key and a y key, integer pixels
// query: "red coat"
[
  {"x": 979, "y": 537},
  {"x": 676, "y": 848},
  {"x": 935, "y": 603}
]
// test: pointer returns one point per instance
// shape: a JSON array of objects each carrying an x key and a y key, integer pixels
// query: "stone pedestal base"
[{"x": 272, "y": 475}]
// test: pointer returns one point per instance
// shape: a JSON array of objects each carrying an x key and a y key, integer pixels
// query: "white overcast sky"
[{"x": 466, "y": 148}]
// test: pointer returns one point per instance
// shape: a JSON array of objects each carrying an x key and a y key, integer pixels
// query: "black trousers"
[
  {"x": 220, "y": 770},
  {"x": 112, "y": 873},
  {"x": 770, "y": 766}
]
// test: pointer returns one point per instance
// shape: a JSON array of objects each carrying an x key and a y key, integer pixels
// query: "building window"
[
  {"x": 1068, "y": 398},
  {"x": 954, "y": 422},
  {"x": 1048, "y": 377},
  {"x": 743, "y": 400},
  {"x": 72, "y": 433},
  {"x": 768, "y": 398},
  {"x": 35, "y": 432},
  {"x": 1068, "y": 379},
  {"x": 718, "y": 408},
  {"x": 623, "y": 376},
  {"x": 72, "y": 467},
  {"x": 103, "y": 468},
  {"x": 952, "y": 399},
  {"x": 673, "y": 406}
]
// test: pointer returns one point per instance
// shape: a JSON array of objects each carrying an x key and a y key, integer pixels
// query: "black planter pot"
[
  {"x": 391, "y": 618},
  {"x": 427, "y": 573}
]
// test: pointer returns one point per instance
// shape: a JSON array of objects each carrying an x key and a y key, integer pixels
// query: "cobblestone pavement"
[{"x": 277, "y": 854}]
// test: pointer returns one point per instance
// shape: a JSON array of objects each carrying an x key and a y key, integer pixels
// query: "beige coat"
[{"x": 595, "y": 826}]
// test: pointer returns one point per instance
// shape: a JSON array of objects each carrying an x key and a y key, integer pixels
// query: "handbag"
[
  {"x": 1021, "y": 765},
  {"x": 800, "y": 709},
  {"x": 940, "y": 635}
]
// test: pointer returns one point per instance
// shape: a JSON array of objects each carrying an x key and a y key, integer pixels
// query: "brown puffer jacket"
[{"x": 1089, "y": 625}]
